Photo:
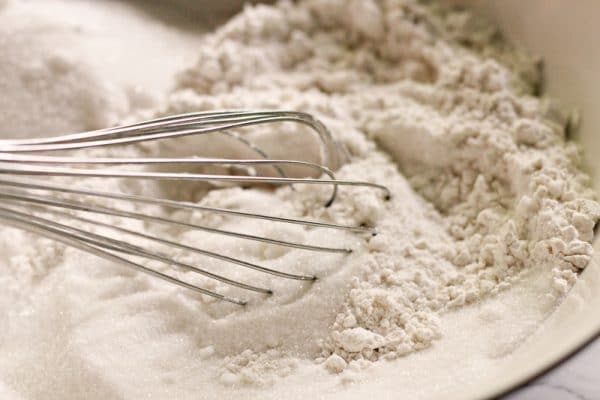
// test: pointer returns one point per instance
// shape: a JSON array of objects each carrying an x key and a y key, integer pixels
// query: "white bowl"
[{"x": 566, "y": 35}]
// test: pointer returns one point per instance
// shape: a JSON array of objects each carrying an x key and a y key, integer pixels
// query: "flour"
[
  {"x": 488, "y": 201},
  {"x": 257, "y": 368},
  {"x": 461, "y": 124}
]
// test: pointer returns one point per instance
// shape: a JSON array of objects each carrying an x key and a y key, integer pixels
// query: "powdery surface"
[{"x": 489, "y": 213}]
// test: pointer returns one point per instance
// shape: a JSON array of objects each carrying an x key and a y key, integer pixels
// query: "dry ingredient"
[{"x": 488, "y": 203}]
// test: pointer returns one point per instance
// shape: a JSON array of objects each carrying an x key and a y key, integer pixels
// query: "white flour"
[{"x": 488, "y": 203}]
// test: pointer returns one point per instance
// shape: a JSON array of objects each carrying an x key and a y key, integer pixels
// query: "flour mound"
[{"x": 455, "y": 108}]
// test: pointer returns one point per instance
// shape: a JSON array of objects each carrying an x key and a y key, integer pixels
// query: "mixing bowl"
[{"x": 563, "y": 33}]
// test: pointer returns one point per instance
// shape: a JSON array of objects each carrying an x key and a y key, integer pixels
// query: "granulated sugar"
[{"x": 489, "y": 223}]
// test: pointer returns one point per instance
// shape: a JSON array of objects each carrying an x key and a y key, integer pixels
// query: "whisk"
[{"x": 21, "y": 197}]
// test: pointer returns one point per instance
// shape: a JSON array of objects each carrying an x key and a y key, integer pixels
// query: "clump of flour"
[{"x": 249, "y": 367}]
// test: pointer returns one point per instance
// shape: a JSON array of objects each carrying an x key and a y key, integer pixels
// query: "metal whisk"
[{"x": 21, "y": 197}]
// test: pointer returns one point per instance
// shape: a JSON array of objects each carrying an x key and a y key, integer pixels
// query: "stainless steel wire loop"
[{"x": 49, "y": 209}]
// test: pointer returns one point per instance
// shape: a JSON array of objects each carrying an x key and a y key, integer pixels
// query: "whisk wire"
[
  {"x": 21, "y": 158},
  {"x": 29, "y": 223}
]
